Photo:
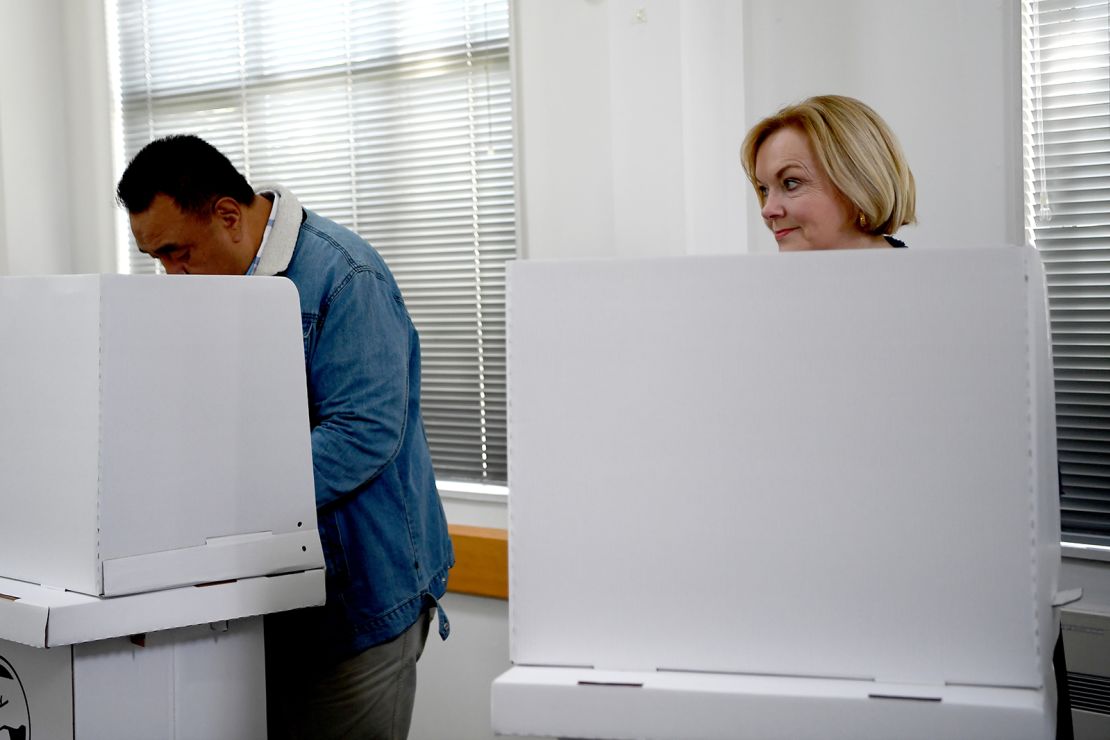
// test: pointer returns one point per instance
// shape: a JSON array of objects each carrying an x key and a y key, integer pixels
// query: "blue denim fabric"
[{"x": 381, "y": 521}]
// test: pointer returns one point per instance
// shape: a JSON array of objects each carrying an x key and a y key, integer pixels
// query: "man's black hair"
[{"x": 186, "y": 168}]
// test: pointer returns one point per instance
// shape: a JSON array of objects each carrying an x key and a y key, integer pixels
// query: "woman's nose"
[{"x": 772, "y": 208}]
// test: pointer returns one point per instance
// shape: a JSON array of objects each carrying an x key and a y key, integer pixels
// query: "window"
[
  {"x": 1066, "y": 97},
  {"x": 392, "y": 117}
]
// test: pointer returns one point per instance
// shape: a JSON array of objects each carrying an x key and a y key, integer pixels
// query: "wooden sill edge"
[{"x": 481, "y": 561}]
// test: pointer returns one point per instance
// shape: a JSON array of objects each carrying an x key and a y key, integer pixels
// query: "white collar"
[{"x": 282, "y": 236}]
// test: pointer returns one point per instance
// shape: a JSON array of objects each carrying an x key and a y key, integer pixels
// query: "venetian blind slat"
[
  {"x": 1066, "y": 65},
  {"x": 392, "y": 118}
]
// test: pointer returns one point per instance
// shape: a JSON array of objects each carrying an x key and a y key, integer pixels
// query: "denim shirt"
[{"x": 381, "y": 522}]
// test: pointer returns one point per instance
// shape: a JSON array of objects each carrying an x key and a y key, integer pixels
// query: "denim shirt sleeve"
[{"x": 358, "y": 384}]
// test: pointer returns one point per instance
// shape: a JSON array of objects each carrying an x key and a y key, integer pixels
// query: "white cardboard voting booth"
[
  {"x": 782, "y": 496},
  {"x": 156, "y": 471}
]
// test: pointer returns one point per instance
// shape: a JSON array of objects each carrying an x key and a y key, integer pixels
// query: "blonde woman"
[{"x": 829, "y": 174}]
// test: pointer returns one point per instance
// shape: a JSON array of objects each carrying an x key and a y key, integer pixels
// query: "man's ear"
[{"x": 229, "y": 213}]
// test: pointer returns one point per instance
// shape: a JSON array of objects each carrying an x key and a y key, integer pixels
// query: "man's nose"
[{"x": 173, "y": 267}]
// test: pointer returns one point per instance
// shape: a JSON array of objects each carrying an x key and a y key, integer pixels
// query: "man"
[{"x": 347, "y": 669}]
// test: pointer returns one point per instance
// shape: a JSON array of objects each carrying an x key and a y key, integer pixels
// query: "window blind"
[
  {"x": 1066, "y": 97},
  {"x": 392, "y": 117}
]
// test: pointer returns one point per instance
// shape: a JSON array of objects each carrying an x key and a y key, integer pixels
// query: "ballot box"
[
  {"x": 797, "y": 496},
  {"x": 205, "y": 681},
  {"x": 157, "y": 495}
]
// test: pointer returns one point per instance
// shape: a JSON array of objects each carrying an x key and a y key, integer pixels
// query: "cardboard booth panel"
[
  {"x": 49, "y": 426},
  {"x": 569, "y": 702},
  {"x": 804, "y": 464},
  {"x": 1045, "y": 473},
  {"x": 147, "y": 415},
  {"x": 205, "y": 429},
  {"x": 45, "y": 617}
]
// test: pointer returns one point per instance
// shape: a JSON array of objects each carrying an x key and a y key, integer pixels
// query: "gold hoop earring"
[{"x": 862, "y": 221}]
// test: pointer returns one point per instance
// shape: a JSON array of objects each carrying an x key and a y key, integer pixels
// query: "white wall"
[
  {"x": 628, "y": 114},
  {"x": 943, "y": 73},
  {"x": 454, "y": 676},
  {"x": 33, "y": 138},
  {"x": 94, "y": 215},
  {"x": 632, "y": 113},
  {"x": 55, "y": 147}
]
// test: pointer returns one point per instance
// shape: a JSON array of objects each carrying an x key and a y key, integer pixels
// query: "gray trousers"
[{"x": 366, "y": 697}]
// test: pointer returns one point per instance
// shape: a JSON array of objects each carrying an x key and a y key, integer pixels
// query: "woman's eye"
[
  {"x": 790, "y": 183},
  {"x": 762, "y": 190}
]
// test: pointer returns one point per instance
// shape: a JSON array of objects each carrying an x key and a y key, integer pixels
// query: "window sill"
[
  {"x": 481, "y": 561},
  {"x": 1078, "y": 551},
  {"x": 481, "y": 492}
]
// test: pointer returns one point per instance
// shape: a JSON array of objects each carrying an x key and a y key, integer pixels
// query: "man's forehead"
[
  {"x": 162, "y": 205},
  {"x": 158, "y": 221},
  {"x": 162, "y": 211}
]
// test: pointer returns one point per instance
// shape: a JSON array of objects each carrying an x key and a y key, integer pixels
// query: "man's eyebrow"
[{"x": 160, "y": 249}]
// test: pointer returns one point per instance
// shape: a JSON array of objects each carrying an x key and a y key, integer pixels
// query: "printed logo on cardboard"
[{"x": 15, "y": 719}]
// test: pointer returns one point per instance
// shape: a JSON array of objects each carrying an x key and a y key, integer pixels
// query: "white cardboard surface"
[
  {"x": 1045, "y": 472},
  {"x": 205, "y": 417},
  {"x": 813, "y": 465},
  {"x": 43, "y": 617},
  {"x": 36, "y": 692},
  {"x": 207, "y": 681},
  {"x": 262, "y": 554},
  {"x": 147, "y": 415},
  {"x": 196, "y": 682},
  {"x": 569, "y": 702},
  {"x": 49, "y": 402}
]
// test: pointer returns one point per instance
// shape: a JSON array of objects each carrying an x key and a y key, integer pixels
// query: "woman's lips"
[{"x": 780, "y": 234}]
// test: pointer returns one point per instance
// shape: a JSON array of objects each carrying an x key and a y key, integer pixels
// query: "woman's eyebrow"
[
  {"x": 789, "y": 166},
  {"x": 782, "y": 170}
]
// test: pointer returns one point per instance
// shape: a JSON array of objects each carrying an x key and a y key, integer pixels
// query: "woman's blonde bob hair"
[{"x": 858, "y": 151}]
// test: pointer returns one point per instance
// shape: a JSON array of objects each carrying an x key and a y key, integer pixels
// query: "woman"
[{"x": 829, "y": 174}]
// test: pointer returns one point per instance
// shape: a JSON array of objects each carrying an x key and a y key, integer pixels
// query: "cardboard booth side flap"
[
  {"x": 533, "y": 700},
  {"x": 219, "y": 560},
  {"x": 49, "y": 394},
  {"x": 98, "y": 619},
  {"x": 22, "y": 622}
]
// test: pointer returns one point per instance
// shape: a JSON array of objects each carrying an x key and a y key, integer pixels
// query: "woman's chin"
[{"x": 795, "y": 243}]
